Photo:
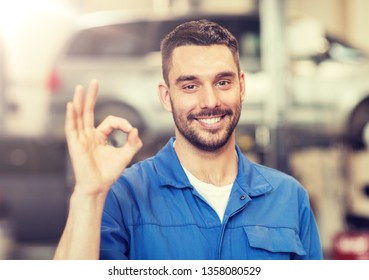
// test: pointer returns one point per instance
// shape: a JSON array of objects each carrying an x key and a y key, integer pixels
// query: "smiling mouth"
[
  {"x": 210, "y": 117},
  {"x": 210, "y": 120}
]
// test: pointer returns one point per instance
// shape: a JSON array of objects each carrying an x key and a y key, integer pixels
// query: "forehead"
[{"x": 201, "y": 61}]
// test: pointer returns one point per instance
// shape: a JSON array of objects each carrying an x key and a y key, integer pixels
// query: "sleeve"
[
  {"x": 114, "y": 237},
  {"x": 309, "y": 233}
]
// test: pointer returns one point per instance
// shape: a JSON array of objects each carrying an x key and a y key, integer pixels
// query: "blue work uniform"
[{"x": 153, "y": 212}]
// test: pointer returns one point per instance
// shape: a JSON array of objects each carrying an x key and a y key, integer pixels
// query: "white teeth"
[{"x": 210, "y": 121}]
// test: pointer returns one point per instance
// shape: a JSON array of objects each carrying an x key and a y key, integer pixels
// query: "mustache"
[{"x": 210, "y": 113}]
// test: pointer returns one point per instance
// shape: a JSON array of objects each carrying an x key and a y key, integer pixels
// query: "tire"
[
  {"x": 359, "y": 127},
  {"x": 366, "y": 135}
]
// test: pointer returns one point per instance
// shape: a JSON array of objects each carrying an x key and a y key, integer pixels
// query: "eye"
[
  {"x": 223, "y": 84},
  {"x": 190, "y": 88}
]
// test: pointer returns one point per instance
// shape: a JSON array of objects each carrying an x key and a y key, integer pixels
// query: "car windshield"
[{"x": 112, "y": 40}]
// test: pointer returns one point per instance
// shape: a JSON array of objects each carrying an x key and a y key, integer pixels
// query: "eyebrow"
[
  {"x": 225, "y": 74},
  {"x": 187, "y": 78}
]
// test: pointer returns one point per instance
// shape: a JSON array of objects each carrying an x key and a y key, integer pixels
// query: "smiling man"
[{"x": 199, "y": 197}]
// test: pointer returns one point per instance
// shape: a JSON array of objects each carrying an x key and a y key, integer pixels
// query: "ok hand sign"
[{"x": 96, "y": 164}]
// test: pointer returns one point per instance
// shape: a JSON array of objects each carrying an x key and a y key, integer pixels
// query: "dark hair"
[{"x": 200, "y": 33}]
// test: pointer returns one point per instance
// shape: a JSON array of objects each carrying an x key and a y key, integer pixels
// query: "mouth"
[{"x": 210, "y": 121}]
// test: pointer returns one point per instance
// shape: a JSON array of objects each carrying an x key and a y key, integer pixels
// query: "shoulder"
[
  {"x": 269, "y": 179},
  {"x": 275, "y": 176}
]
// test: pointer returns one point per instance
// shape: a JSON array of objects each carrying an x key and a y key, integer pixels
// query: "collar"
[{"x": 250, "y": 177}]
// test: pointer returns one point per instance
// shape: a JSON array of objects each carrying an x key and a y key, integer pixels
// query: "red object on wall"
[{"x": 351, "y": 245}]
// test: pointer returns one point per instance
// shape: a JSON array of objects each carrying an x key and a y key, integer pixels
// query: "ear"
[
  {"x": 242, "y": 85},
  {"x": 163, "y": 92}
]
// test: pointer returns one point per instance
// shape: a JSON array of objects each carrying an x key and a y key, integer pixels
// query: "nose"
[{"x": 209, "y": 98}]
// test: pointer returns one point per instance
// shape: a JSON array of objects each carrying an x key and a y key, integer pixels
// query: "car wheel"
[
  {"x": 366, "y": 135},
  {"x": 358, "y": 132}
]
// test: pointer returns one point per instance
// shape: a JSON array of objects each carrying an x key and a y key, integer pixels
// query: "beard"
[{"x": 208, "y": 140}]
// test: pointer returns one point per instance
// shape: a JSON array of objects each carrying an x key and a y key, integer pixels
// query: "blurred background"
[{"x": 306, "y": 111}]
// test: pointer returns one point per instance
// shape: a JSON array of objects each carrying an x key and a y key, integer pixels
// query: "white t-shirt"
[{"x": 216, "y": 196}]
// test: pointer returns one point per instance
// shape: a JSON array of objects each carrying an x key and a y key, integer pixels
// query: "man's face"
[{"x": 206, "y": 93}]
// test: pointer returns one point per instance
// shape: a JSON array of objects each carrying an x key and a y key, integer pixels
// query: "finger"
[
  {"x": 88, "y": 114},
  {"x": 111, "y": 123},
  {"x": 78, "y": 104},
  {"x": 133, "y": 140},
  {"x": 132, "y": 146},
  {"x": 70, "y": 123}
]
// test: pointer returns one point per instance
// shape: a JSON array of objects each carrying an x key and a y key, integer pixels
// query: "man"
[{"x": 199, "y": 197}]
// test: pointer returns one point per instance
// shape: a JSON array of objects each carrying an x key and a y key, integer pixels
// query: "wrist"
[{"x": 81, "y": 198}]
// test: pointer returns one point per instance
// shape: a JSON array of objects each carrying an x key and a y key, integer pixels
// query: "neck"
[{"x": 217, "y": 167}]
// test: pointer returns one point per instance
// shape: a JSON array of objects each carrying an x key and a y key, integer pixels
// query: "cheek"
[
  {"x": 233, "y": 101},
  {"x": 184, "y": 104}
]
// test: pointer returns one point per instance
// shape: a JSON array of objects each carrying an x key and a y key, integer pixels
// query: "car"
[
  {"x": 327, "y": 90},
  {"x": 30, "y": 182}
]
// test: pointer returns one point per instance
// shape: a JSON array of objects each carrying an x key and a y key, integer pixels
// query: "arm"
[
  {"x": 96, "y": 167},
  {"x": 309, "y": 234}
]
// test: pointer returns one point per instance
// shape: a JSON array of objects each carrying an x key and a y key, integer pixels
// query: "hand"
[{"x": 96, "y": 164}]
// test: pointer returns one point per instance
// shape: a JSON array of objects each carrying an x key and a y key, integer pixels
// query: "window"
[{"x": 114, "y": 40}]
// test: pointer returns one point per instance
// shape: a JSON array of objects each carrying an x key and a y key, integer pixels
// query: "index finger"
[
  {"x": 111, "y": 123},
  {"x": 88, "y": 113}
]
